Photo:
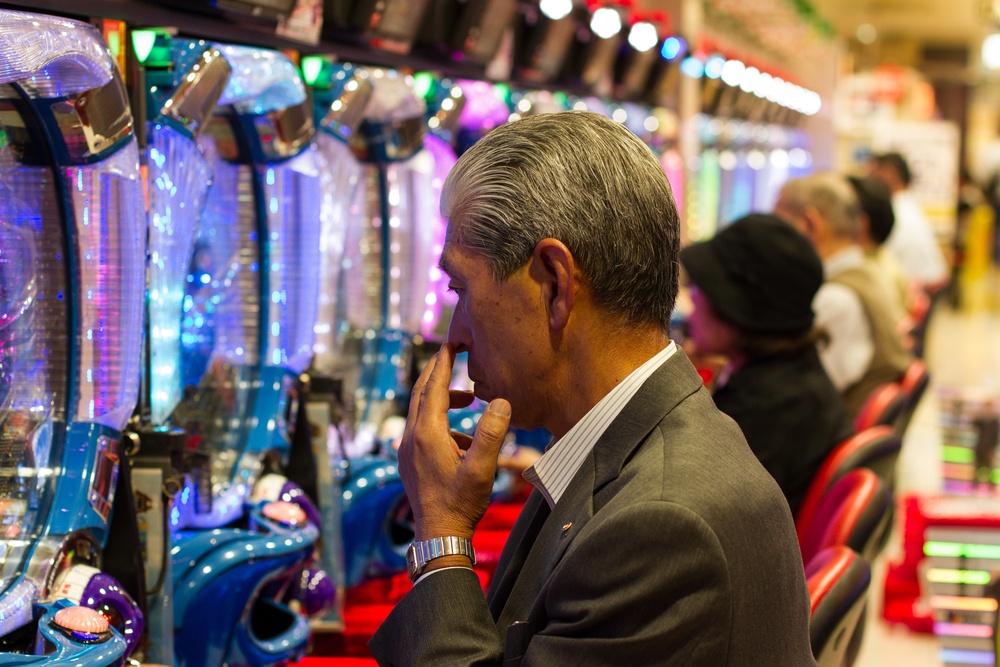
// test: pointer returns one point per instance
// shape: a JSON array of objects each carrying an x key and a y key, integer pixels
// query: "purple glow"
[
  {"x": 485, "y": 107},
  {"x": 437, "y": 292}
]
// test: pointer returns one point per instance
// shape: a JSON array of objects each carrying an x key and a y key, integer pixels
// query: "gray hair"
[
  {"x": 831, "y": 195},
  {"x": 585, "y": 180}
]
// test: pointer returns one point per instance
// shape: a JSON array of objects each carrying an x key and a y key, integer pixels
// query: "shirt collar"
[
  {"x": 552, "y": 473},
  {"x": 850, "y": 257}
]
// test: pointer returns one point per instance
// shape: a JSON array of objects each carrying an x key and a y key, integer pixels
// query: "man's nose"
[{"x": 458, "y": 333}]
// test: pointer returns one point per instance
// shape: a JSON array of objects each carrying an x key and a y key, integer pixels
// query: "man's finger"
[
  {"x": 434, "y": 399},
  {"x": 490, "y": 433}
]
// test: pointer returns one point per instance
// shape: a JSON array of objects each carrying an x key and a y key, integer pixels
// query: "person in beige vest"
[{"x": 865, "y": 350}]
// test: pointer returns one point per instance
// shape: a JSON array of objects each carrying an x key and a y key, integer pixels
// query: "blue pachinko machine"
[
  {"x": 235, "y": 215},
  {"x": 72, "y": 234},
  {"x": 381, "y": 294}
]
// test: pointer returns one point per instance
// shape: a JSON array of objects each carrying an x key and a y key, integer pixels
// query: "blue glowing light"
[
  {"x": 692, "y": 67},
  {"x": 673, "y": 47}
]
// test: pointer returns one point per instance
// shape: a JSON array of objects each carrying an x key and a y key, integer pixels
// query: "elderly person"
[
  {"x": 752, "y": 287},
  {"x": 653, "y": 535},
  {"x": 865, "y": 350}
]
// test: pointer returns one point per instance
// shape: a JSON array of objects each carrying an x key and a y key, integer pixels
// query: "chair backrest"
[
  {"x": 855, "y": 512},
  {"x": 876, "y": 449},
  {"x": 882, "y": 407},
  {"x": 838, "y": 581},
  {"x": 913, "y": 384}
]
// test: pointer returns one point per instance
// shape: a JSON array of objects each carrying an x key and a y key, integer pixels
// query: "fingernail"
[{"x": 500, "y": 407}]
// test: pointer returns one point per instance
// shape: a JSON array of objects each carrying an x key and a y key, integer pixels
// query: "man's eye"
[{"x": 454, "y": 288}]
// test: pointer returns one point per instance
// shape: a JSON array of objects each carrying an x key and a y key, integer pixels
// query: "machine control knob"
[
  {"x": 82, "y": 623},
  {"x": 287, "y": 513}
]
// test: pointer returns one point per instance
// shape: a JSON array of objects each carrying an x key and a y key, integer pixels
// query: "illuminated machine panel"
[
  {"x": 34, "y": 354},
  {"x": 72, "y": 280}
]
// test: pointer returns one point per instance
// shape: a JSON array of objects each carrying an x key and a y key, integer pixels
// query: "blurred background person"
[
  {"x": 752, "y": 288},
  {"x": 865, "y": 349},
  {"x": 874, "y": 226},
  {"x": 912, "y": 239}
]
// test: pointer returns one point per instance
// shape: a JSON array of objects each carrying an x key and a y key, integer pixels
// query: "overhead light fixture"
[
  {"x": 991, "y": 51},
  {"x": 673, "y": 48},
  {"x": 643, "y": 36},
  {"x": 556, "y": 9},
  {"x": 606, "y": 23}
]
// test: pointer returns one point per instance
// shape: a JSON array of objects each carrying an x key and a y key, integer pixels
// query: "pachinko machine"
[
  {"x": 72, "y": 236},
  {"x": 234, "y": 219}
]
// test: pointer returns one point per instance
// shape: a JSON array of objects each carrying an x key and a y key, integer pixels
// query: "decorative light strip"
[
  {"x": 953, "y": 454},
  {"x": 737, "y": 74},
  {"x": 949, "y": 576},
  {"x": 959, "y": 603},
  {"x": 958, "y": 550},
  {"x": 963, "y": 630},
  {"x": 966, "y": 657}
]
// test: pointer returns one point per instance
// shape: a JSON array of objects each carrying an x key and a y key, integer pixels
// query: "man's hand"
[{"x": 448, "y": 476}]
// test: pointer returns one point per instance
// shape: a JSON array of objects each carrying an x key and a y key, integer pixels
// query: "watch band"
[{"x": 421, "y": 553}]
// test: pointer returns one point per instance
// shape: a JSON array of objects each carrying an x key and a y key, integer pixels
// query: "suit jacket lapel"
[{"x": 513, "y": 594}]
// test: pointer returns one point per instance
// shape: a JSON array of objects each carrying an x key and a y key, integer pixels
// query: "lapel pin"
[{"x": 567, "y": 526}]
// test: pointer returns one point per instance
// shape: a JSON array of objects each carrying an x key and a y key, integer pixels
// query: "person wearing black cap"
[
  {"x": 877, "y": 221},
  {"x": 752, "y": 287},
  {"x": 912, "y": 239}
]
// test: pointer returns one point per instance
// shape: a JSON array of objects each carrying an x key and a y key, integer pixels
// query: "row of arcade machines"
[
  {"x": 164, "y": 343},
  {"x": 94, "y": 322}
]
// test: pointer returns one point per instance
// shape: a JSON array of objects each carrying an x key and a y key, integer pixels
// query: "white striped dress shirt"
[{"x": 552, "y": 473}]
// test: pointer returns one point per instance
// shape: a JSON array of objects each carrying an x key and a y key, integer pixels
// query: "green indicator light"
[
  {"x": 115, "y": 44},
  {"x": 952, "y": 454},
  {"x": 982, "y": 551},
  {"x": 943, "y": 549},
  {"x": 142, "y": 42},
  {"x": 560, "y": 98},
  {"x": 502, "y": 91},
  {"x": 423, "y": 83},
  {"x": 311, "y": 68}
]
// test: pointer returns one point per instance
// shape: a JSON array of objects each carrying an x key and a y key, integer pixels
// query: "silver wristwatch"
[{"x": 421, "y": 553}]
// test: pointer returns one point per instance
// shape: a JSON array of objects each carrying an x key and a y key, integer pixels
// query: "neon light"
[
  {"x": 949, "y": 576},
  {"x": 959, "y": 603},
  {"x": 957, "y": 550},
  {"x": 963, "y": 630},
  {"x": 967, "y": 657}
]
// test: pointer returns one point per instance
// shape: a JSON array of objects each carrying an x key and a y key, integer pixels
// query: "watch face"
[{"x": 411, "y": 561}]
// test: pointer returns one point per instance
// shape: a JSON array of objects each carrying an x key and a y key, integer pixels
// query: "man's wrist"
[{"x": 455, "y": 551}]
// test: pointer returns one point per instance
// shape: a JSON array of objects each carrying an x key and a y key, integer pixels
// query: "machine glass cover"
[
  {"x": 341, "y": 177},
  {"x": 220, "y": 325},
  {"x": 179, "y": 178},
  {"x": 34, "y": 336},
  {"x": 110, "y": 243},
  {"x": 294, "y": 203},
  {"x": 52, "y": 56},
  {"x": 262, "y": 81}
]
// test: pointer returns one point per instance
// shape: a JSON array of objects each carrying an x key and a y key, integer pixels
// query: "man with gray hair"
[
  {"x": 653, "y": 535},
  {"x": 864, "y": 350}
]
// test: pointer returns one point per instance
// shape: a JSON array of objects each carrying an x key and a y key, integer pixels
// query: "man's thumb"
[{"x": 490, "y": 431}]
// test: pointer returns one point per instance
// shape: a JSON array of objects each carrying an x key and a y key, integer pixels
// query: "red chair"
[
  {"x": 882, "y": 407},
  {"x": 855, "y": 512},
  {"x": 913, "y": 384},
  {"x": 876, "y": 449},
  {"x": 838, "y": 581}
]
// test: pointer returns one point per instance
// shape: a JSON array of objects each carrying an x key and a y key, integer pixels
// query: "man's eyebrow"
[{"x": 444, "y": 265}]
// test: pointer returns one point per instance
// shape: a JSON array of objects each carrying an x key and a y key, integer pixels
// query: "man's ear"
[
  {"x": 555, "y": 270},
  {"x": 813, "y": 223}
]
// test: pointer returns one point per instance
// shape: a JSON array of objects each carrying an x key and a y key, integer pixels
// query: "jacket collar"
[{"x": 671, "y": 383}]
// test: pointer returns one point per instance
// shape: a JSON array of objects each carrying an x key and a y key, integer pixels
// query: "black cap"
[
  {"x": 876, "y": 202},
  {"x": 759, "y": 273}
]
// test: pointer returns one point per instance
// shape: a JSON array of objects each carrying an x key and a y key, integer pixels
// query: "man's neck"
[
  {"x": 597, "y": 365},
  {"x": 832, "y": 245}
]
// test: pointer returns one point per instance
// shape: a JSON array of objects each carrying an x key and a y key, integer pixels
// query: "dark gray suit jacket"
[{"x": 671, "y": 546}]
